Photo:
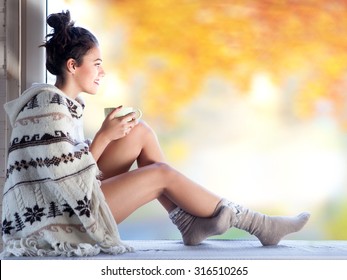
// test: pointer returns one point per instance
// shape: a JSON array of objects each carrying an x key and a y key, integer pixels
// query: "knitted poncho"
[{"x": 52, "y": 201}]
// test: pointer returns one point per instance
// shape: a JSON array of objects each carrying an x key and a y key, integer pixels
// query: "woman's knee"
[
  {"x": 164, "y": 170},
  {"x": 143, "y": 129},
  {"x": 151, "y": 151}
]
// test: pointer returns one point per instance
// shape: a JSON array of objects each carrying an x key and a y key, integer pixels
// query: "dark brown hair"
[{"x": 65, "y": 42}]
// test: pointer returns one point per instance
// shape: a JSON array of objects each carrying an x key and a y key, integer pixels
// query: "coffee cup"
[{"x": 123, "y": 111}]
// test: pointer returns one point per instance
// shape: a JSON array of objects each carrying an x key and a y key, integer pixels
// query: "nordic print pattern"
[
  {"x": 45, "y": 162},
  {"x": 36, "y": 139},
  {"x": 37, "y": 214},
  {"x": 46, "y": 139}
]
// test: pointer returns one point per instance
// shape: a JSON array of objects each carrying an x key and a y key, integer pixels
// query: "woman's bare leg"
[
  {"x": 140, "y": 145},
  {"x": 128, "y": 191}
]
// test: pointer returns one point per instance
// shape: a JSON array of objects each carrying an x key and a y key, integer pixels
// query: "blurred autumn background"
[{"x": 248, "y": 98}]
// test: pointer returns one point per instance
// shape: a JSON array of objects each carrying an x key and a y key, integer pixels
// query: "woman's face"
[{"x": 88, "y": 75}]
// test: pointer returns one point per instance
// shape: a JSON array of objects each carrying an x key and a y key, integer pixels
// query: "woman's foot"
[
  {"x": 268, "y": 229},
  {"x": 194, "y": 230}
]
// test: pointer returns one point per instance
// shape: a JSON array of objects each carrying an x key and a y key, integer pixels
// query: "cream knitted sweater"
[{"x": 52, "y": 201}]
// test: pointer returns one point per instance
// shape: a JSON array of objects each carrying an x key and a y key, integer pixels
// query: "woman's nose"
[{"x": 102, "y": 72}]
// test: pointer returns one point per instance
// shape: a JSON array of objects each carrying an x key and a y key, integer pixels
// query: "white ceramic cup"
[{"x": 124, "y": 111}]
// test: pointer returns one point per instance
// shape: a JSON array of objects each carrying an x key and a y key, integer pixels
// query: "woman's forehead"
[{"x": 94, "y": 54}]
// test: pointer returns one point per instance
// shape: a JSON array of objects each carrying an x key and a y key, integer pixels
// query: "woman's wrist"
[{"x": 100, "y": 137}]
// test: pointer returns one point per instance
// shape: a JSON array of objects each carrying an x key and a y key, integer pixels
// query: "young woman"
[{"x": 64, "y": 195}]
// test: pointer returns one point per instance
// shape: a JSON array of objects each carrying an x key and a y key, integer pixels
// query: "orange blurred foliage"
[{"x": 176, "y": 44}]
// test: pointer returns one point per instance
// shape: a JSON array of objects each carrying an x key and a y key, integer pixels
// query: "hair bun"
[
  {"x": 66, "y": 41},
  {"x": 60, "y": 21}
]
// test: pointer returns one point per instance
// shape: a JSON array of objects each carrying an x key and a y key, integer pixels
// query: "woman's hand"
[{"x": 112, "y": 128}]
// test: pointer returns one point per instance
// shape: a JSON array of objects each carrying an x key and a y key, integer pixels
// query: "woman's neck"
[{"x": 66, "y": 89}]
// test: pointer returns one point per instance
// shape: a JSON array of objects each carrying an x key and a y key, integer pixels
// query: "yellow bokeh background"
[{"x": 247, "y": 97}]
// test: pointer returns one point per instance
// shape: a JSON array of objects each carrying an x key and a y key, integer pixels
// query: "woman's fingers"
[{"x": 114, "y": 112}]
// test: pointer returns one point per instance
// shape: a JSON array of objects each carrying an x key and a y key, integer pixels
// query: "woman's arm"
[{"x": 99, "y": 144}]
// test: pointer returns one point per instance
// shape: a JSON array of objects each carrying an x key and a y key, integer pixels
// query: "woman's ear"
[{"x": 71, "y": 65}]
